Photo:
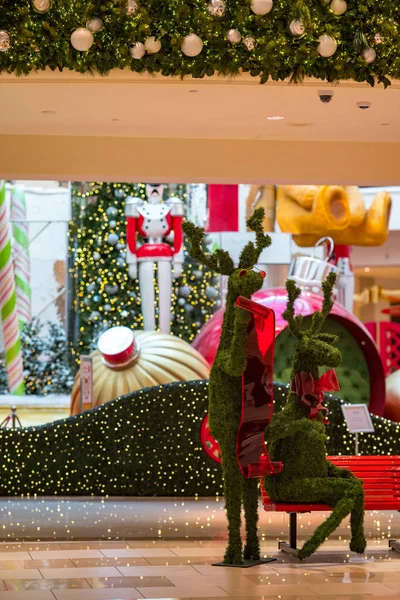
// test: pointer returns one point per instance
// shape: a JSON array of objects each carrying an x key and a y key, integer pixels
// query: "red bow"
[{"x": 311, "y": 391}]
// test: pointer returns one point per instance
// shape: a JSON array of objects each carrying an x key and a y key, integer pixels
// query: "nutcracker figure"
[
  {"x": 154, "y": 220},
  {"x": 345, "y": 287}
]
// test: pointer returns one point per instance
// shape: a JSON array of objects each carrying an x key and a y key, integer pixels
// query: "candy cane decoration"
[
  {"x": 21, "y": 256},
  {"x": 8, "y": 303}
]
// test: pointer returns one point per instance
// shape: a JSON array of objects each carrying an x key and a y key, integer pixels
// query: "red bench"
[{"x": 381, "y": 482}]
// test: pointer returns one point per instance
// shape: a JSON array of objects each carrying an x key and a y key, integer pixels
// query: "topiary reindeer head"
[
  {"x": 314, "y": 349},
  {"x": 243, "y": 280}
]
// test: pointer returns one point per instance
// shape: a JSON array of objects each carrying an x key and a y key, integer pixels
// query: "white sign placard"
[
  {"x": 358, "y": 418},
  {"x": 86, "y": 373}
]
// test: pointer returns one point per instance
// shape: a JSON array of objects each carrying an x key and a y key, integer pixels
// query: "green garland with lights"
[
  {"x": 102, "y": 295},
  {"x": 145, "y": 444},
  {"x": 42, "y": 40}
]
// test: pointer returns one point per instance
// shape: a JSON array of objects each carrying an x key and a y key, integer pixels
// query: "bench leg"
[
  {"x": 291, "y": 548},
  {"x": 394, "y": 545}
]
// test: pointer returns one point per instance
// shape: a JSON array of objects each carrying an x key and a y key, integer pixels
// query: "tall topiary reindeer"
[
  {"x": 225, "y": 387},
  {"x": 296, "y": 435}
]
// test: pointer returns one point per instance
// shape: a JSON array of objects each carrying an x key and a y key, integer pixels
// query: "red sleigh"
[{"x": 257, "y": 396}]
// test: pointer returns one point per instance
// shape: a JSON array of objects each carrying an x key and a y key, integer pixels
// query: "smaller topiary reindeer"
[
  {"x": 296, "y": 435},
  {"x": 225, "y": 387}
]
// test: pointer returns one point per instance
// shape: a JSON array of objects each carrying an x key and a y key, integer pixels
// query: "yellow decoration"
[
  {"x": 376, "y": 293},
  {"x": 310, "y": 212},
  {"x": 161, "y": 359}
]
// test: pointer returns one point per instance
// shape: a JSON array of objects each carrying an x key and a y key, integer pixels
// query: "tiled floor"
[{"x": 182, "y": 569}]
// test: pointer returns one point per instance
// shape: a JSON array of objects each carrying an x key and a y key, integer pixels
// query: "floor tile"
[
  {"x": 140, "y": 552},
  {"x": 211, "y": 591},
  {"x": 375, "y": 589},
  {"x": 101, "y": 594},
  {"x": 122, "y": 582},
  {"x": 197, "y": 551},
  {"x": 17, "y": 555},
  {"x": 30, "y": 546},
  {"x": 152, "y": 571},
  {"x": 28, "y": 595},
  {"x": 51, "y": 563},
  {"x": 67, "y": 554},
  {"x": 45, "y": 584},
  {"x": 77, "y": 572},
  {"x": 92, "y": 545},
  {"x": 210, "y": 570},
  {"x": 266, "y": 590},
  {"x": 109, "y": 562},
  {"x": 183, "y": 560},
  {"x": 20, "y": 574}
]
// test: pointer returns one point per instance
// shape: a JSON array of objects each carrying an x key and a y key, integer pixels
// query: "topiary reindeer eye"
[{"x": 242, "y": 273}]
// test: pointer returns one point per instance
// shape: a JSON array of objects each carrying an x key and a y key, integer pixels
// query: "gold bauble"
[{"x": 161, "y": 359}]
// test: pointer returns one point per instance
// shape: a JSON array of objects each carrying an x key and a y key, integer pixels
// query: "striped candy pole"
[
  {"x": 8, "y": 303},
  {"x": 21, "y": 256}
]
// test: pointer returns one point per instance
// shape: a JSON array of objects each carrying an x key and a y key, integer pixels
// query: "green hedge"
[
  {"x": 40, "y": 41},
  {"x": 143, "y": 444}
]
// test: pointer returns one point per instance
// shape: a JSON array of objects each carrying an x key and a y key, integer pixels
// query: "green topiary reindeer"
[
  {"x": 225, "y": 388},
  {"x": 296, "y": 436}
]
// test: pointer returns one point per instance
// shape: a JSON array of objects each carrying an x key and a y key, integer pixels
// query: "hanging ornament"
[
  {"x": 124, "y": 314},
  {"x": 261, "y": 7},
  {"x": 198, "y": 274},
  {"x": 111, "y": 211},
  {"x": 95, "y": 24},
  {"x": 188, "y": 308},
  {"x": 121, "y": 262},
  {"x": 119, "y": 193},
  {"x": 112, "y": 224},
  {"x": 378, "y": 38},
  {"x": 211, "y": 293},
  {"x": 216, "y": 8},
  {"x": 327, "y": 46},
  {"x": 111, "y": 289},
  {"x": 120, "y": 246},
  {"x": 82, "y": 39},
  {"x": 181, "y": 301},
  {"x": 184, "y": 291},
  {"x": 4, "y": 41},
  {"x": 131, "y": 7},
  {"x": 152, "y": 45},
  {"x": 112, "y": 239},
  {"x": 107, "y": 307},
  {"x": 338, "y": 7},
  {"x": 234, "y": 36},
  {"x": 96, "y": 256},
  {"x": 137, "y": 51},
  {"x": 41, "y": 6},
  {"x": 297, "y": 28},
  {"x": 192, "y": 45},
  {"x": 369, "y": 55},
  {"x": 94, "y": 315},
  {"x": 249, "y": 42}
]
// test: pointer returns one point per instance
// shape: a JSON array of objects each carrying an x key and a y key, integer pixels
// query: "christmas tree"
[{"x": 102, "y": 295}]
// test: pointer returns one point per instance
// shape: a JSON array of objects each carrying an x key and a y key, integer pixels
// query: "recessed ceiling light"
[
  {"x": 48, "y": 112},
  {"x": 275, "y": 118}
]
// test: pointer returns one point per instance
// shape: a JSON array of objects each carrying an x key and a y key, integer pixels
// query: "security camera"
[
  {"x": 325, "y": 96},
  {"x": 364, "y": 105}
]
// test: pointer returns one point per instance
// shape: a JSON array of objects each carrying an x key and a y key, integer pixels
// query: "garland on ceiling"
[{"x": 279, "y": 39}]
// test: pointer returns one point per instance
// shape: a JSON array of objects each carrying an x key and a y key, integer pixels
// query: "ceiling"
[{"x": 125, "y": 104}]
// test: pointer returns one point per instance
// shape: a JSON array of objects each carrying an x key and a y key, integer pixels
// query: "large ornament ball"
[
  {"x": 250, "y": 43},
  {"x": 261, "y": 7},
  {"x": 338, "y": 7},
  {"x": 234, "y": 36},
  {"x": 152, "y": 45},
  {"x": 112, "y": 239},
  {"x": 111, "y": 211},
  {"x": 82, "y": 39},
  {"x": 4, "y": 41},
  {"x": 95, "y": 24},
  {"x": 118, "y": 193},
  {"x": 369, "y": 55},
  {"x": 137, "y": 51},
  {"x": 392, "y": 402},
  {"x": 327, "y": 46},
  {"x": 192, "y": 45},
  {"x": 216, "y": 8},
  {"x": 41, "y": 6},
  {"x": 211, "y": 293},
  {"x": 131, "y": 7},
  {"x": 96, "y": 256},
  {"x": 297, "y": 28}
]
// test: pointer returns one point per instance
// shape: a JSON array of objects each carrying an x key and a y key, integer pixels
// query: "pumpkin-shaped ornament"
[{"x": 126, "y": 361}]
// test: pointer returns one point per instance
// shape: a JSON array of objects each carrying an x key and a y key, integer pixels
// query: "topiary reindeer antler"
[
  {"x": 293, "y": 293},
  {"x": 219, "y": 261},
  {"x": 319, "y": 316},
  {"x": 251, "y": 253}
]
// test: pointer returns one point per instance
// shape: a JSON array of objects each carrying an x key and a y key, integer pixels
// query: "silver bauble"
[
  {"x": 327, "y": 46},
  {"x": 198, "y": 274},
  {"x": 189, "y": 308},
  {"x": 297, "y": 28},
  {"x": 120, "y": 246},
  {"x": 111, "y": 211},
  {"x": 118, "y": 193},
  {"x": 95, "y": 24},
  {"x": 152, "y": 45},
  {"x": 250, "y": 43},
  {"x": 94, "y": 315},
  {"x": 261, "y": 7},
  {"x": 234, "y": 36},
  {"x": 338, "y": 7},
  {"x": 181, "y": 301},
  {"x": 4, "y": 40},
  {"x": 131, "y": 7},
  {"x": 112, "y": 239},
  {"x": 369, "y": 55},
  {"x": 96, "y": 256},
  {"x": 82, "y": 39},
  {"x": 111, "y": 289},
  {"x": 41, "y": 6},
  {"x": 192, "y": 45},
  {"x": 211, "y": 293},
  {"x": 137, "y": 51},
  {"x": 124, "y": 314},
  {"x": 107, "y": 307},
  {"x": 216, "y": 8},
  {"x": 378, "y": 38},
  {"x": 184, "y": 291},
  {"x": 112, "y": 224}
]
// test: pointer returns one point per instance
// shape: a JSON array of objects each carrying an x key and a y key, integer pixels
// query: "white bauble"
[
  {"x": 369, "y": 55},
  {"x": 261, "y": 7},
  {"x": 192, "y": 45},
  {"x": 4, "y": 40},
  {"x": 378, "y": 38},
  {"x": 327, "y": 46},
  {"x": 338, "y": 7},
  {"x": 95, "y": 24},
  {"x": 82, "y": 39},
  {"x": 137, "y": 51},
  {"x": 41, "y": 6},
  {"x": 131, "y": 8},
  {"x": 216, "y": 8},
  {"x": 249, "y": 42},
  {"x": 234, "y": 36},
  {"x": 297, "y": 28},
  {"x": 152, "y": 45}
]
